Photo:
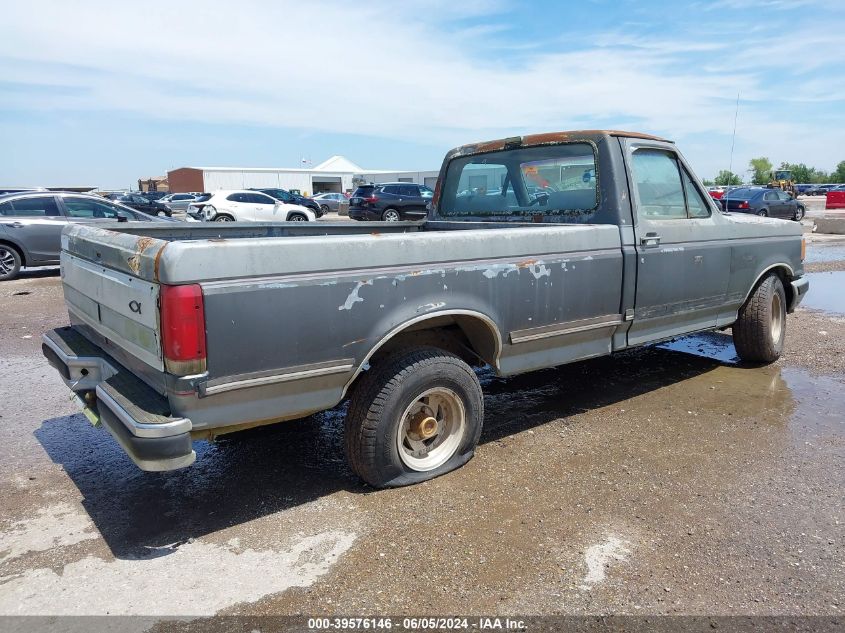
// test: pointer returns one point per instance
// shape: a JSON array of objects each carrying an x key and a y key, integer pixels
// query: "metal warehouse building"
[{"x": 337, "y": 174}]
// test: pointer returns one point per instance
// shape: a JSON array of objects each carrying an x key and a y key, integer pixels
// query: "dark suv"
[
  {"x": 390, "y": 201},
  {"x": 292, "y": 198}
]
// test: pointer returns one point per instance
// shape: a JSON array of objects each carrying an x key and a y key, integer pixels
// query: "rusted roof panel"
[{"x": 548, "y": 138}]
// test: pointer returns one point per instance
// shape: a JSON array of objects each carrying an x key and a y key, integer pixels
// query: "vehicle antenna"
[{"x": 733, "y": 138}]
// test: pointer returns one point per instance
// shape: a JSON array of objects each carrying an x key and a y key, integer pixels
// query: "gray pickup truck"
[{"x": 537, "y": 251}]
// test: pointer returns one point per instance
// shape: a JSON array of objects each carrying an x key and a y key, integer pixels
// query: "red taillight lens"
[
  {"x": 183, "y": 329},
  {"x": 371, "y": 199},
  {"x": 743, "y": 205}
]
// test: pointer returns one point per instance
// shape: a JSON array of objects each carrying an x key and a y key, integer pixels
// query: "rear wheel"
[
  {"x": 415, "y": 416},
  {"x": 10, "y": 263},
  {"x": 222, "y": 217},
  {"x": 391, "y": 215},
  {"x": 324, "y": 208},
  {"x": 763, "y": 213},
  {"x": 760, "y": 330},
  {"x": 800, "y": 212}
]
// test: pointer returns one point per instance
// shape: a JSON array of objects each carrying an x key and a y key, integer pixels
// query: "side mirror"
[{"x": 122, "y": 218}]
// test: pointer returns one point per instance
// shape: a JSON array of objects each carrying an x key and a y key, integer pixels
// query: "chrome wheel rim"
[
  {"x": 223, "y": 218},
  {"x": 431, "y": 429},
  {"x": 297, "y": 218},
  {"x": 777, "y": 318},
  {"x": 391, "y": 216},
  {"x": 7, "y": 261}
]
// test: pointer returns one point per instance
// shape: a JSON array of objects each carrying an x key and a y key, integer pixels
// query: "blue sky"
[{"x": 89, "y": 94}]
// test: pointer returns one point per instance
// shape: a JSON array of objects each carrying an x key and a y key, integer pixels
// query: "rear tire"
[
  {"x": 222, "y": 217},
  {"x": 763, "y": 213},
  {"x": 10, "y": 262},
  {"x": 800, "y": 213},
  {"x": 391, "y": 215},
  {"x": 324, "y": 208},
  {"x": 760, "y": 330},
  {"x": 416, "y": 415}
]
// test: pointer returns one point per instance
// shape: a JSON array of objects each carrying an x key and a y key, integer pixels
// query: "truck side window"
[{"x": 658, "y": 182}]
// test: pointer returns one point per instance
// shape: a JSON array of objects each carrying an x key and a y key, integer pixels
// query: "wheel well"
[
  {"x": 471, "y": 338},
  {"x": 785, "y": 276},
  {"x": 17, "y": 249}
]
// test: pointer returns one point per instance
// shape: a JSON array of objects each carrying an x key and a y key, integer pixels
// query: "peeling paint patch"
[
  {"x": 540, "y": 270},
  {"x": 493, "y": 271},
  {"x": 428, "y": 307},
  {"x": 599, "y": 556},
  {"x": 190, "y": 576},
  {"x": 57, "y": 525},
  {"x": 353, "y": 297},
  {"x": 672, "y": 249}
]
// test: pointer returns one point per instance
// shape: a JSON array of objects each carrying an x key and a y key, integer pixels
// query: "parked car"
[
  {"x": 716, "y": 192},
  {"x": 268, "y": 323},
  {"x": 141, "y": 203},
  {"x": 835, "y": 198},
  {"x": 177, "y": 201},
  {"x": 153, "y": 195},
  {"x": 31, "y": 225},
  {"x": 330, "y": 201},
  {"x": 801, "y": 189},
  {"x": 391, "y": 202},
  {"x": 773, "y": 203},
  {"x": 819, "y": 190},
  {"x": 248, "y": 206},
  {"x": 288, "y": 197}
]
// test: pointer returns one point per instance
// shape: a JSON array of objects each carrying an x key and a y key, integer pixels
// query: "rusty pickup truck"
[{"x": 536, "y": 251}]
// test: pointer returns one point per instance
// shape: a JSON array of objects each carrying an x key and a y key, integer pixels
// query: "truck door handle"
[{"x": 650, "y": 240}]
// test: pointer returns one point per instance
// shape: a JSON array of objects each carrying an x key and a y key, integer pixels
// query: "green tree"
[
  {"x": 726, "y": 177},
  {"x": 707, "y": 182},
  {"x": 839, "y": 174},
  {"x": 761, "y": 169}
]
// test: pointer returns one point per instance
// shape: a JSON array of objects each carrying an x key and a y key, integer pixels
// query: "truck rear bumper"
[
  {"x": 135, "y": 415},
  {"x": 800, "y": 287}
]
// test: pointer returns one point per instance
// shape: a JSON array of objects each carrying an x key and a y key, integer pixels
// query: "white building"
[{"x": 337, "y": 174}]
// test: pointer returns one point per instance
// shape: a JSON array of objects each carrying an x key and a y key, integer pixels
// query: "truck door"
[{"x": 683, "y": 255}]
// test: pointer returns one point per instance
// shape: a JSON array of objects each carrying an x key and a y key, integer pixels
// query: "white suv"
[{"x": 248, "y": 206}]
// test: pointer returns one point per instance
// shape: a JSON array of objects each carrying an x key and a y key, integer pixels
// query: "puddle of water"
[
  {"x": 715, "y": 345},
  {"x": 817, "y": 253},
  {"x": 827, "y": 292}
]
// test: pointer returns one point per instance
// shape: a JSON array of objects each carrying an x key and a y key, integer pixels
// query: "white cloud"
[{"x": 433, "y": 72}]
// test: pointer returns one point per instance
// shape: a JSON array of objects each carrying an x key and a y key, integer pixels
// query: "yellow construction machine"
[{"x": 782, "y": 179}]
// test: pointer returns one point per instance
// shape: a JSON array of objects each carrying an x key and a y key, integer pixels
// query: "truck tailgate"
[{"x": 116, "y": 304}]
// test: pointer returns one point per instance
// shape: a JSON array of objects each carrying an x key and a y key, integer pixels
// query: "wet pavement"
[{"x": 671, "y": 479}]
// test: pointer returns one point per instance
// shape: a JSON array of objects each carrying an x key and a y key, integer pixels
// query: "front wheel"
[
  {"x": 297, "y": 217},
  {"x": 416, "y": 415},
  {"x": 224, "y": 218},
  {"x": 760, "y": 330},
  {"x": 391, "y": 215},
  {"x": 325, "y": 209}
]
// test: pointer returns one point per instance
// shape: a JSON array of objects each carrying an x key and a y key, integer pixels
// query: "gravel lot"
[{"x": 665, "y": 480}]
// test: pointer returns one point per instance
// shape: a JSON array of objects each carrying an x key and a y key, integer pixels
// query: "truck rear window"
[{"x": 547, "y": 180}]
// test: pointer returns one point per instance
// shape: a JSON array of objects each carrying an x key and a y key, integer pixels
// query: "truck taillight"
[{"x": 183, "y": 329}]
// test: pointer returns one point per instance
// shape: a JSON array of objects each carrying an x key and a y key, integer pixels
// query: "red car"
[
  {"x": 835, "y": 198},
  {"x": 716, "y": 192}
]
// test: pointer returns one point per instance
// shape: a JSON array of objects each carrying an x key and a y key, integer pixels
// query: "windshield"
[{"x": 548, "y": 180}]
